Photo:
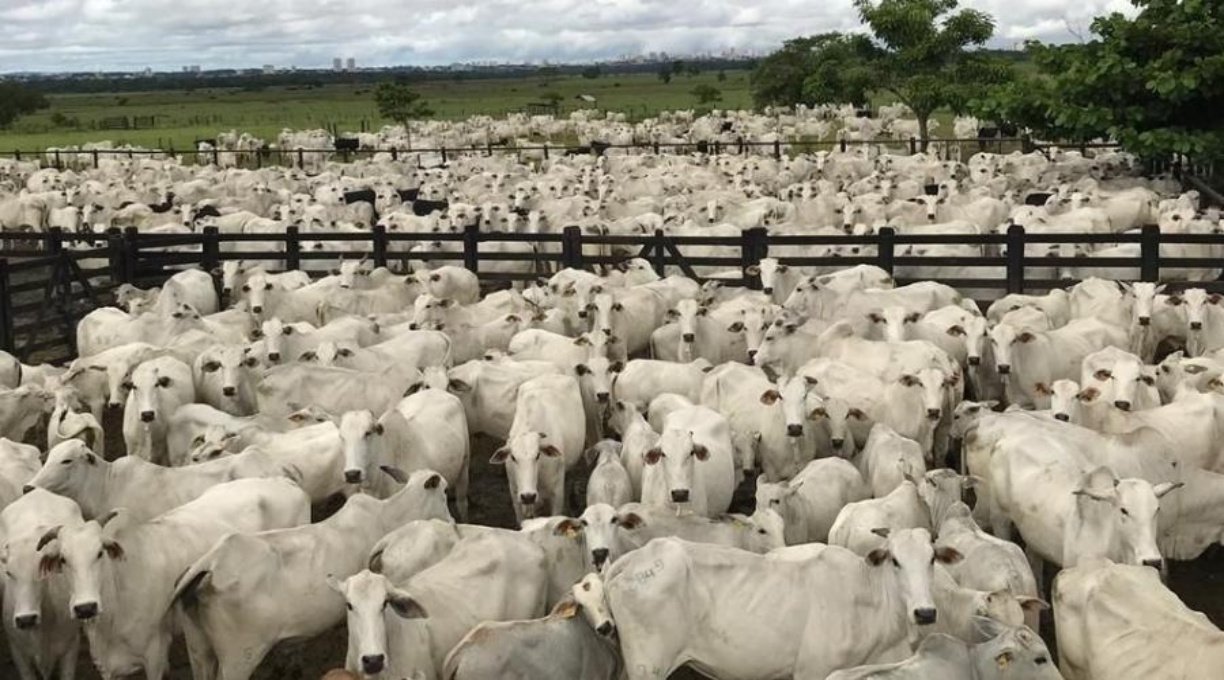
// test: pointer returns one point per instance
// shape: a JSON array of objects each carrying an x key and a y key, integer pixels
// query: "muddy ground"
[{"x": 1199, "y": 583}]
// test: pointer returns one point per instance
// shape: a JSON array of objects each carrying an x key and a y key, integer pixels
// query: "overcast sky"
[{"x": 85, "y": 35}]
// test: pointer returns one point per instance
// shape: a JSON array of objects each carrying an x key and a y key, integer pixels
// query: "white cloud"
[{"x": 131, "y": 34}]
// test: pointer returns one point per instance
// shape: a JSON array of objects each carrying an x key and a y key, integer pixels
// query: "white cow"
[
  {"x": 313, "y": 456},
  {"x": 145, "y": 490},
  {"x": 426, "y": 430},
  {"x": 545, "y": 440},
  {"x": 156, "y": 389},
  {"x": 1031, "y": 361},
  {"x": 999, "y": 652},
  {"x": 865, "y": 525},
  {"x": 609, "y": 482},
  {"x": 406, "y": 630},
  {"x": 37, "y": 620},
  {"x": 123, "y": 573},
  {"x": 641, "y": 380},
  {"x": 489, "y": 391},
  {"x": 252, "y": 590},
  {"x": 1120, "y": 622},
  {"x": 888, "y": 459},
  {"x": 561, "y": 646},
  {"x": 677, "y": 602},
  {"x": 810, "y": 502},
  {"x": 693, "y": 465}
]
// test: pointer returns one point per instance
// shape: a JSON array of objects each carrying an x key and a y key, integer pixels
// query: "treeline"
[{"x": 91, "y": 84}]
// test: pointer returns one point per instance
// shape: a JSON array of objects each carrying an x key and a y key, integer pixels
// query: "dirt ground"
[{"x": 1199, "y": 583}]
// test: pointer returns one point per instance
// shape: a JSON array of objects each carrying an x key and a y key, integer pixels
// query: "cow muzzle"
[
  {"x": 148, "y": 416},
  {"x": 1196, "y": 325},
  {"x": 528, "y": 499},
  {"x": 925, "y": 616},
  {"x": 229, "y": 391},
  {"x": 934, "y": 413},
  {"x": 1123, "y": 405},
  {"x": 258, "y": 309},
  {"x": 837, "y": 443},
  {"x": 794, "y": 430},
  {"x": 599, "y": 556},
  {"x": 605, "y": 629},
  {"x": 1156, "y": 564},
  {"x": 974, "y": 361},
  {"x": 352, "y": 476},
  {"x": 688, "y": 337},
  {"x": 85, "y": 611},
  {"x": 680, "y": 495},
  {"x": 1145, "y": 321},
  {"x": 1004, "y": 369},
  {"x": 1062, "y": 417},
  {"x": 767, "y": 291},
  {"x": 372, "y": 664},
  {"x": 274, "y": 357}
]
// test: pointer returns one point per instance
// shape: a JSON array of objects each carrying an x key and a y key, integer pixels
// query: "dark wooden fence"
[{"x": 47, "y": 282}]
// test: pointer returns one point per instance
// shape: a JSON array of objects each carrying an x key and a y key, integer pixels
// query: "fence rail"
[
  {"x": 777, "y": 148},
  {"x": 49, "y": 281}
]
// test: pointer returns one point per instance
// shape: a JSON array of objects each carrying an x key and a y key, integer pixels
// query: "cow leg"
[
  {"x": 67, "y": 663},
  {"x": 1037, "y": 564},
  {"x": 25, "y": 668},
  {"x": 199, "y": 650}
]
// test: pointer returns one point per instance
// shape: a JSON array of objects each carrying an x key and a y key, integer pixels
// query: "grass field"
[{"x": 182, "y": 117}]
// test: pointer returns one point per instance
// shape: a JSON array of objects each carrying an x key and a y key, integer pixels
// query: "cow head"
[
  {"x": 524, "y": 455},
  {"x": 599, "y": 527},
  {"x": 229, "y": 368},
  {"x": 674, "y": 457},
  {"x": 153, "y": 388},
  {"x": 359, "y": 431},
  {"x": 908, "y": 560},
  {"x": 83, "y": 552},
  {"x": 370, "y": 598},
  {"x": 1115, "y": 519}
]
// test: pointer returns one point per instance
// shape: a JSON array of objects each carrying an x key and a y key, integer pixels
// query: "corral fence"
[
  {"x": 49, "y": 281},
  {"x": 347, "y": 150}
]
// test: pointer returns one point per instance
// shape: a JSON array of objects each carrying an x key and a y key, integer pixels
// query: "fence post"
[
  {"x": 95, "y": 159},
  {"x": 778, "y": 149},
  {"x": 17, "y": 155},
  {"x": 913, "y": 146},
  {"x": 842, "y": 143},
  {"x": 444, "y": 161},
  {"x": 1015, "y": 259},
  {"x": 545, "y": 150},
  {"x": 658, "y": 259},
  {"x": 293, "y": 249},
  {"x": 379, "y": 246},
  {"x": 131, "y": 253},
  {"x": 887, "y": 248},
  {"x": 58, "y": 164},
  {"x": 216, "y": 157},
  {"x": 115, "y": 256},
  {"x": 54, "y": 241},
  {"x": 301, "y": 158},
  {"x": 1149, "y": 253},
  {"x": 210, "y": 251},
  {"x": 6, "y": 309},
  {"x": 471, "y": 248},
  {"x": 753, "y": 247},
  {"x": 571, "y": 248}
]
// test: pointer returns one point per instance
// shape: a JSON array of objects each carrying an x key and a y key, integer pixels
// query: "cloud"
[{"x": 54, "y": 35}]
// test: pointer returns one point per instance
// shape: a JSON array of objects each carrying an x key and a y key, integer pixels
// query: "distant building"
[
  {"x": 350, "y": 64},
  {"x": 337, "y": 64},
  {"x": 269, "y": 69}
]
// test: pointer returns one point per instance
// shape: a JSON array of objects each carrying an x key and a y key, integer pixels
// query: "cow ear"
[
  {"x": 700, "y": 452},
  {"x": 50, "y": 535},
  {"x": 550, "y": 451},
  {"x": 456, "y": 385},
  {"x": 653, "y": 456},
  {"x": 1026, "y": 337},
  {"x": 565, "y": 609},
  {"x": 986, "y": 629},
  {"x": 616, "y": 367},
  {"x": 770, "y": 397},
  {"x": 375, "y": 565},
  {"x": 257, "y": 333},
  {"x": 878, "y": 556},
  {"x": 500, "y": 456},
  {"x": 91, "y": 458},
  {"x": 1088, "y": 394},
  {"x": 405, "y": 606},
  {"x": 568, "y": 527},
  {"x": 1165, "y": 487},
  {"x": 882, "y": 532},
  {"x": 113, "y": 549},
  {"x": 629, "y": 520},
  {"x": 582, "y": 369},
  {"x": 50, "y": 563},
  {"x": 395, "y": 473},
  {"x": 1032, "y": 604},
  {"x": 947, "y": 555}
]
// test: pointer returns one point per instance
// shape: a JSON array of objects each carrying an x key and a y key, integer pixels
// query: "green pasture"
[{"x": 182, "y": 117}]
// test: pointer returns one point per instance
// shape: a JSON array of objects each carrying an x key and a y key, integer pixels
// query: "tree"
[
  {"x": 402, "y": 104},
  {"x": 17, "y": 101},
  {"x": 706, "y": 94},
  {"x": 1155, "y": 83},
  {"x": 722, "y": 76},
  {"x": 665, "y": 73},
  {"x": 819, "y": 69},
  {"x": 592, "y": 72},
  {"x": 919, "y": 54}
]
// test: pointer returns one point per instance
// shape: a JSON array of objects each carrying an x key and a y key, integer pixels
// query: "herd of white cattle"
[{"x": 837, "y": 394}]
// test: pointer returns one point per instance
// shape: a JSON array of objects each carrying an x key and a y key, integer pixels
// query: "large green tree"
[
  {"x": 402, "y": 104},
  {"x": 1154, "y": 82},
  {"x": 921, "y": 54},
  {"x": 818, "y": 69},
  {"x": 17, "y": 101}
]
